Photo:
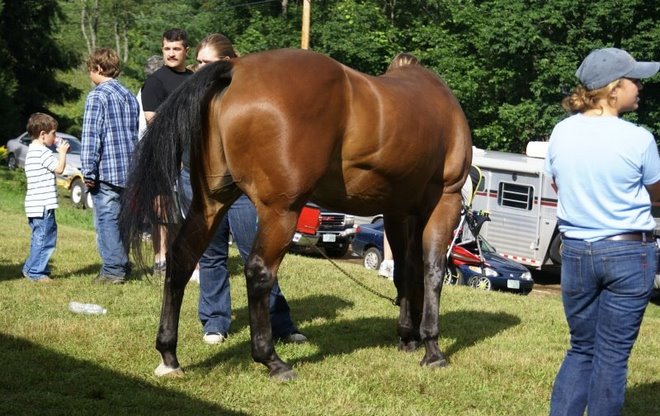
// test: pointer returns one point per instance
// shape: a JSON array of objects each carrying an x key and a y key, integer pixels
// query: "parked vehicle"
[
  {"x": 335, "y": 232},
  {"x": 71, "y": 179},
  {"x": 467, "y": 266},
  {"x": 522, "y": 205}
]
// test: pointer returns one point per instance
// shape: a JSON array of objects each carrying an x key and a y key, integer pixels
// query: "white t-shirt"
[
  {"x": 40, "y": 163},
  {"x": 142, "y": 121},
  {"x": 601, "y": 166}
]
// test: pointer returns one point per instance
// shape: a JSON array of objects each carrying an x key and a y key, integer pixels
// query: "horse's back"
[{"x": 352, "y": 137}]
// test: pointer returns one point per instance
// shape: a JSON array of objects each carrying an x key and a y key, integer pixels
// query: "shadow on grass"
[
  {"x": 41, "y": 381},
  {"x": 467, "y": 328},
  {"x": 642, "y": 400}
]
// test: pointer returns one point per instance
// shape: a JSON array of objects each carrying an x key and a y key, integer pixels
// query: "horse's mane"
[{"x": 402, "y": 59}]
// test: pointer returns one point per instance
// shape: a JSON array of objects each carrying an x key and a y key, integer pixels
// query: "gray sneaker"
[
  {"x": 294, "y": 338},
  {"x": 108, "y": 280}
]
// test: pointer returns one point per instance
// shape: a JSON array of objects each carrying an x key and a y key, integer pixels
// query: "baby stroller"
[{"x": 465, "y": 247}]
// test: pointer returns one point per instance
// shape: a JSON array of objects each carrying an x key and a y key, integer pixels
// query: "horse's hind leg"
[
  {"x": 269, "y": 247},
  {"x": 182, "y": 257},
  {"x": 408, "y": 268},
  {"x": 437, "y": 234}
]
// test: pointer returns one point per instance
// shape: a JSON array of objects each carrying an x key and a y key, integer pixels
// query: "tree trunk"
[{"x": 285, "y": 8}]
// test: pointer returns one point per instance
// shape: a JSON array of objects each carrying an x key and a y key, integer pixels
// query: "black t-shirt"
[{"x": 160, "y": 85}]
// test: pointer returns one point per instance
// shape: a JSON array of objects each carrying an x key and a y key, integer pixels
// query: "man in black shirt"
[
  {"x": 155, "y": 91},
  {"x": 173, "y": 72}
]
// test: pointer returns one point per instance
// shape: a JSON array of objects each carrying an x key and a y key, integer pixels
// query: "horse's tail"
[{"x": 150, "y": 196}]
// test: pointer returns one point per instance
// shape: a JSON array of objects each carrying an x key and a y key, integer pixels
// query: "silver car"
[{"x": 71, "y": 178}]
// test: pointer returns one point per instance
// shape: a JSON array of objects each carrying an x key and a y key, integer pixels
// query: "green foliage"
[
  {"x": 356, "y": 34},
  {"x": 27, "y": 28},
  {"x": 509, "y": 63}
]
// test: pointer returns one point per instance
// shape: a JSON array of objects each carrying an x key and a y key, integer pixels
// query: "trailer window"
[{"x": 515, "y": 196}]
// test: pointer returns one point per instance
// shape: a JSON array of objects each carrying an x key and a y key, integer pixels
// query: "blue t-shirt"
[{"x": 601, "y": 165}]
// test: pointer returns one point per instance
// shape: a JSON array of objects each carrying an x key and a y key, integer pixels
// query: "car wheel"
[
  {"x": 372, "y": 258},
  {"x": 483, "y": 283},
  {"x": 337, "y": 251},
  {"x": 453, "y": 275},
  {"x": 78, "y": 192},
  {"x": 89, "y": 202},
  {"x": 11, "y": 161}
]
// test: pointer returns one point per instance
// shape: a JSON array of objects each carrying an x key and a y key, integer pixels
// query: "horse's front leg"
[
  {"x": 270, "y": 245},
  {"x": 437, "y": 234},
  {"x": 182, "y": 257}
]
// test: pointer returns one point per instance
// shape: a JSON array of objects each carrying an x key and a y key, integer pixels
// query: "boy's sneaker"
[
  {"x": 212, "y": 338},
  {"x": 195, "y": 276}
]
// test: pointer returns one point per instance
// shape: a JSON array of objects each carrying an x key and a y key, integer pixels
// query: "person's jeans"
[
  {"x": 114, "y": 256},
  {"x": 214, "y": 294},
  {"x": 606, "y": 286},
  {"x": 42, "y": 245}
]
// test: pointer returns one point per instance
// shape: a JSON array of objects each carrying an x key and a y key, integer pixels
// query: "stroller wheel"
[{"x": 453, "y": 275}]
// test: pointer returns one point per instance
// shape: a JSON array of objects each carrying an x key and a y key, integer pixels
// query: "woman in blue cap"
[{"x": 607, "y": 173}]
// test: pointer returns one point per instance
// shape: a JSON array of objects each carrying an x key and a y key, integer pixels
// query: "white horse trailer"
[{"x": 522, "y": 205}]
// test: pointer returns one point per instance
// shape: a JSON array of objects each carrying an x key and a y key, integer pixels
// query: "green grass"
[{"x": 504, "y": 350}]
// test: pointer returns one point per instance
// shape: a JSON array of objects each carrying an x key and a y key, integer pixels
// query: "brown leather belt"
[{"x": 644, "y": 237}]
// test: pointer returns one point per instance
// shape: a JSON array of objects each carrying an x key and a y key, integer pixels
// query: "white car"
[{"x": 71, "y": 178}]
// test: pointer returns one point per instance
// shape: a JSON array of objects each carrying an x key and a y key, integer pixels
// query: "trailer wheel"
[{"x": 555, "y": 250}]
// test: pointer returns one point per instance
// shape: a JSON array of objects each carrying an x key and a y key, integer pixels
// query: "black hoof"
[
  {"x": 435, "y": 362},
  {"x": 284, "y": 376},
  {"x": 409, "y": 346}
]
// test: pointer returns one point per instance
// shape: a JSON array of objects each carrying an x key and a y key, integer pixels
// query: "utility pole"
[{"x": 307, "y": 11}]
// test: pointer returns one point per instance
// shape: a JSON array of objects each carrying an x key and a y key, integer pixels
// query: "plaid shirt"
[{"x": 110, "y": 133}]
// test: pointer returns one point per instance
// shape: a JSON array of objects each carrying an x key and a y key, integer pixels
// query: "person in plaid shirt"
[{"x": 110, "y": 133}]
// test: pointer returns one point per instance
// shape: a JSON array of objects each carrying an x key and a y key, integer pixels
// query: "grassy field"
[{"x": 504, "y": 349}]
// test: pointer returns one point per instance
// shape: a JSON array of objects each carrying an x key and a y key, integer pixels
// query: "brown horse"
[{"x": 289, "y": 126}]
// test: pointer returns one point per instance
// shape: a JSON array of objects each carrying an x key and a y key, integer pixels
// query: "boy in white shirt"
[{"x": 41, "y": 165}]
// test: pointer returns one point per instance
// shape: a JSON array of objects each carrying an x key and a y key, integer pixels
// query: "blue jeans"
[
  {"x": 114, "y": 256},
  {"x": 214, "y": 294},
  {"x": 42, "y": 245},
  {"x": 606, "y": 286}
]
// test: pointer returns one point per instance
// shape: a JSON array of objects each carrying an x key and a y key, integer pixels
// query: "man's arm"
[
  {"x": 91, "y": 142},
  {"x": 148, "y": 115},
  {"x": 654, "y": 191}
]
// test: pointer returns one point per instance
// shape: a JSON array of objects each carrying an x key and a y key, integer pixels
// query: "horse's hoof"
[
  {"x": 284, "y": 376},
  {"x": 409, "y": 346},
  {"x": 440, "y": 362},
  {"x": 164, "y": 371}
]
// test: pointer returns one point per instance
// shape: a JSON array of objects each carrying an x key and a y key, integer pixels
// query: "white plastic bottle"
[{"x": 87, "y": 308}]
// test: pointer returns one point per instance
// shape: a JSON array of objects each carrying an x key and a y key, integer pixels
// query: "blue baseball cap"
[{"x": 603, "y": 66}]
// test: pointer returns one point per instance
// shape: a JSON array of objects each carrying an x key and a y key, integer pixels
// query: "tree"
[
  {"x": 32, "y": 60},
  {"x": 511, "y": 63}
]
